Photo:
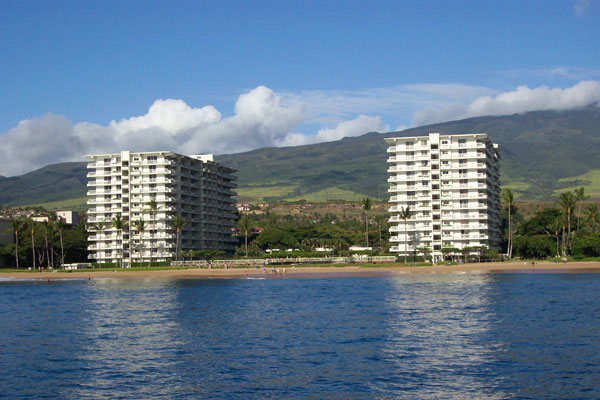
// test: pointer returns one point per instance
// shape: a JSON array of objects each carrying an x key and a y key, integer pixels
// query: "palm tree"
[
  {"x": 119, "y": 224},
  {"x": 593, "y": 217},
  {"x": 16, "y": 225},
  {"x": 31, "y": 226},
  {"x": 566, "y": 201},
  {"x": 46, "y": 228},
  {"x": 508, "y": 197},
  {"x": 245, "y": 224},
  {"x": 379, "y": 219},
  {"x": 405, "y": 215},
  {"x": 140, "y": 226},
  {"x": 366, "y": 205},
  {"x": 99, "y": 227},
  {"x": 178, "y": 224},
  {"x": 153, "y": 206},
  {"x": 60, "y": 226},
  {"x": 580, "y": 196}
]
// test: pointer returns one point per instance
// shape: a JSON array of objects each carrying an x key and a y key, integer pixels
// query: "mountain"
[
  {"x": 51, "y": 183},
  {"x": 542, "y": 153}
]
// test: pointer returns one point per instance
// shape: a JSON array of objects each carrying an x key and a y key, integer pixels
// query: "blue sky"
[{"x": 310, "y": 70}]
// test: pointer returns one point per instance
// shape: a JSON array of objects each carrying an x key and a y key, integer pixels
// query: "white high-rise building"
[
  {"x": 451, "y": 185},
  {"x": 125, "y": 184}
]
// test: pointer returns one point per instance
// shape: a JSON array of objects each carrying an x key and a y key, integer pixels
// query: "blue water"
[{"x": 526, "y": 336}]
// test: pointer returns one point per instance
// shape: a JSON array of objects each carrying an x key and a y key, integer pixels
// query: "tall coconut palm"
[
  {"x": 16, "y": 225},
  {"x": 60, "y": 226},
  {"x": 31, "y": 228},
  {"x": 379, "y": 219},
  {"x": 508, "y": 197},
  {"x": 593, "y": 218},
  {"x": 405, "y": 214},
  {"x": 140, "y": 226},
  {"x": 580, "y": 196},
  {"x": 566, "y": 201},
  {"x": 119, "y": 224},
  {"x": 178, "y": 224},
  {"x": 99, "y": 227},
  {"x": 366, "y": 205},
  {"x": 245, "y": 224},
  {"x": 46, "y": 230},
  {"x": 153, "y": 209}
]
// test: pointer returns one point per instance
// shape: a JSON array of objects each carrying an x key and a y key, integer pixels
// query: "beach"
[{"x": 317, "y": 272}]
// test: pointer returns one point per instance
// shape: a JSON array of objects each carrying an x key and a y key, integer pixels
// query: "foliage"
[
  {"x": 587, "y": 245},
  {"x": 537, "y": 246}
]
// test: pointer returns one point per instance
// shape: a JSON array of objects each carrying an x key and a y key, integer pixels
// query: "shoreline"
[{"x": 314, "y": 272}]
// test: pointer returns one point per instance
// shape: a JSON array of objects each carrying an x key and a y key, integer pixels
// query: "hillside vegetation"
[{"x": 543, "y": 153}]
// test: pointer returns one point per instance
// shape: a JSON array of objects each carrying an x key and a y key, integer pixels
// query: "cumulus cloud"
[
  {"x": 356, "y": 127},
  {"x": 260, "y": 119},
  {"x": 521, "y": 100}
]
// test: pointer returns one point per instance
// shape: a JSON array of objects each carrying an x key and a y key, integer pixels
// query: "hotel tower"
[
  {"x": 451, "y": 185},
  {"x": 157, "y": 187}
]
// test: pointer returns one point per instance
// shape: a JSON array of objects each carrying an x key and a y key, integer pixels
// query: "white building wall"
[
  {"x": 451, "y": 184},
  {"x": 195, "y": 188}
]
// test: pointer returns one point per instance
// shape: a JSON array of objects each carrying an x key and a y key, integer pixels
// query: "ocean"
[{"x": 442, "y": 336}]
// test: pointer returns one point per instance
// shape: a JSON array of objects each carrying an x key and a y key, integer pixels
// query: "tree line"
[
  {"x": 568, "y": 228},
  {"x": 44, "y": 244}
]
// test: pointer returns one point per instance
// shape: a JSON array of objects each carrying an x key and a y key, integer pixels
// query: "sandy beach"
[{"x": 316, "y": 272}]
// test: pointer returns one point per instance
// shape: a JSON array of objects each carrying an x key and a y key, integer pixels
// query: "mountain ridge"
[{"x": 543, "y": 152}]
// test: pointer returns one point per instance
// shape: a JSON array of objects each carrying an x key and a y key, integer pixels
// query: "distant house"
[
  {"x": 69, "y": 217},
  {"x": 243, "y": 207},
  {"x": 359, "y": 248}
]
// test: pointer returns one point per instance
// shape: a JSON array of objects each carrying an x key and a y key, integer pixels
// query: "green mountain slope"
[
  {"x": 51, "y": 183},
  {"x": 543, "y": 153},
  {"x": 539, "y": 149}
]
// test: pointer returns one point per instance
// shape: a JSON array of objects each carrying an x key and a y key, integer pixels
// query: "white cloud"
[
  {"x": 521, "y": 100},
  {"x": 265, "y": 118},
  {"x": 356, "y": 127},
  {"x": 581, "y": 6},
  {"x": 335, "y": 106},
  {"x": 171, "y": 116},
  {"x": 260, "y": 119}
]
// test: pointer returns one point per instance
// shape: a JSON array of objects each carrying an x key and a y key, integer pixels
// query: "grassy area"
[
  {"x": 76, "y": 204},
  {"x": 517, "y": 186},
  {"x": 590, "y": 181},
  {"x": 333, "y": 193},
  {"x": 259, "y": 193}
]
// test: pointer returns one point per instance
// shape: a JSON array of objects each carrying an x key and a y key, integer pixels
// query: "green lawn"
[
  {"x": 333, "y": 193},
  {"x": 77, "y": 204},
  {"x": 592, "y": 187},
  {"x": 516, "y": 185},
  {"x": 260, "y": 192}
]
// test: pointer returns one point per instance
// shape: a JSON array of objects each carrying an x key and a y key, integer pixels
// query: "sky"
[{"x": 87, "y": 77}]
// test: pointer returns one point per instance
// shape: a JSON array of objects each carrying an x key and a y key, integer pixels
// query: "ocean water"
[{"x": 448, "y": 336}]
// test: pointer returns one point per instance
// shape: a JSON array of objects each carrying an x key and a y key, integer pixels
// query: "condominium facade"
[
  {"x": 157, "y": 187},
  {"x": 451, "y": 185}
]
